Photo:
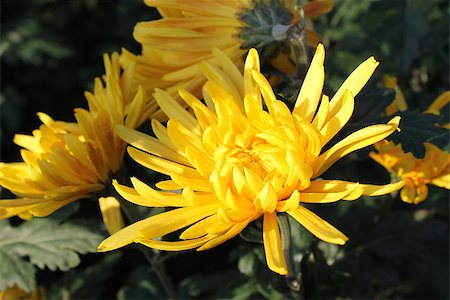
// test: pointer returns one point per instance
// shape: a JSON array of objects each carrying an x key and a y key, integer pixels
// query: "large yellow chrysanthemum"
[
  {"x": 433, "y": 168},
  {"x": 174, "y": 46},
  {"x": 233, "y": 162},
  {"x": 62, "y": 161}
]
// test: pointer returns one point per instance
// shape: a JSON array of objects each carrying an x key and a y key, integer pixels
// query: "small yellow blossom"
[
  {"x": 67, "y": 161},
  {"x": 233, "y": 162},
  {"x": 433, "y": 168},
  {"x": 174, "y": 46},
  {"x": 417, "y": 173}
]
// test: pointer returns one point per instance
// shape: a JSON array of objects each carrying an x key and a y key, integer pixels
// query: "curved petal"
[
  {"x": 232, "y": 232},
  {"x": 338, "y": 120},
  {"x": 339, "y": 186},
  {"x": 357, "y": 140},
  {"x": 156, "y": 226},
  {"x": 10, "y": 208},
  {"x": 272, "y": 244},
  {"x": 441, "y": 181},
  {"x": 311, "y": 90},
  {"x": 174, "y": 246},
  {"x": 355, "y": 81},
  {"x": 439, "y": 103},
  {"x": 148, "y": 144},
  {"x": 320, "y": 228}
]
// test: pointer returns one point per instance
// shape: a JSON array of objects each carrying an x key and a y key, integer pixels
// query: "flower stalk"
[{"x": 293, "y": 276}]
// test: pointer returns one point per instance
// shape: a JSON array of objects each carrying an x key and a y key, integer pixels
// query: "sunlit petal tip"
[
  {"x": 319, "y": 55},
  {"x": 395, "y": 121}
]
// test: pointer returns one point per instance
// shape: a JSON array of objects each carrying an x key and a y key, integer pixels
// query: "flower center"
[{"x": 260, "y": 170}]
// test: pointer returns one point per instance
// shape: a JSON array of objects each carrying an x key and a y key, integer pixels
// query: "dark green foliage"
[
  {"x": 46, "y": 244},
  {"x": 417, "y": 128}
]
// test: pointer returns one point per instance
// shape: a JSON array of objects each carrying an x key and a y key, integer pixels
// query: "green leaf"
[
  {"x": 142, "y": 284},
  {"x": 16, "y": 271},
  {"x": 418, "y": 128},
  {"x": 46, "y": 243},
  {"x": 87, "y": 283}
]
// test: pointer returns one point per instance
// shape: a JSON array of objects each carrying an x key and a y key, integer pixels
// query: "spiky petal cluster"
[
  {"x": 233, "y": 161},
  {"x": 62, "y": 161}
]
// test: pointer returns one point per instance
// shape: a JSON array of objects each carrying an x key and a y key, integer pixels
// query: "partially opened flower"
[
  {"x": 433, "y": 168},
  {"x": 64, "y": 162},
  {"x": 173, "y": 47},
  {"x": 233, "y": 162}
]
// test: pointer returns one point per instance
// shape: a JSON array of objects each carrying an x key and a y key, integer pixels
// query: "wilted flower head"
[
  {"x": 174, "y": 46},
  {"x": 233, "y": 162},
  {"x": 64, "y": 162},
  {"x": 433, "y": 168}
]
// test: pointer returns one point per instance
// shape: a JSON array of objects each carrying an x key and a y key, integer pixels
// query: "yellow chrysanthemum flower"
[
  {"x": 433, "y": 168},
  {"x": 63, "y": 161},
  {"x": 15, "y": 293},
  {"x": 417, "y": 173},
  {"x": 234, "y": 162},
  {"x": 174, "y": 46}
]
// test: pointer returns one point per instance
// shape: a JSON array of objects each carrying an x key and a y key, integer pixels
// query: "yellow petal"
[
  {"x": 232, "y": 232},
  {"x": 148, "y": 144},
  {"x": 290, "y": 204},
  {"x": 320, "y": 228},
  {"x": 311, "y": 90},
  {"x": 441, "y": 181},
  {"x": 355, "y": 81},
  {"x": 10, "y": 208},
  {"x": 199, "y": 229},
  {"x": 272, "y": 244},
  {"x": 174, "y": 246},
  {"x": 324, "y": 197},
  {"x": 266, "y": 200},
  {"x": 45, "y": 208},
  {"x": 175, "y": 111},
  {"x": 357, "y": 140},
  {"x": 338, "y": 120},
  {"x": 157, "y": 226},
  {"x": 439, "y": 103},
  {"x": 161, "y": 165}
]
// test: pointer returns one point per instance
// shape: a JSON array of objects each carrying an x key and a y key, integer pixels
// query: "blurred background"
[{"x": 50, "y": 52}]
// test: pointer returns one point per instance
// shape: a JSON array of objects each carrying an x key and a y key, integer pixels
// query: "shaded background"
[{"x": 52, "y": 50}]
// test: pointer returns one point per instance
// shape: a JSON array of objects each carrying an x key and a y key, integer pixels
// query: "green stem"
[{"x": 293, "y": 276}]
